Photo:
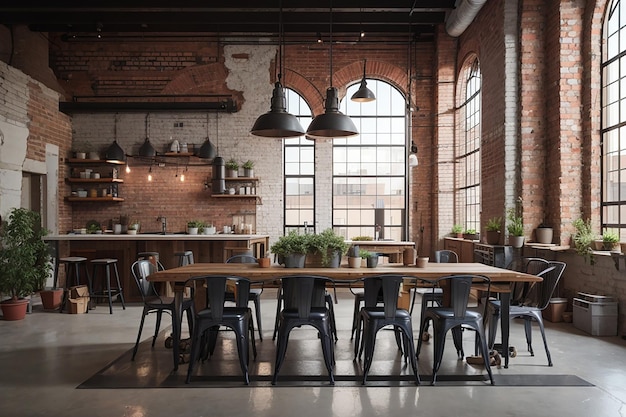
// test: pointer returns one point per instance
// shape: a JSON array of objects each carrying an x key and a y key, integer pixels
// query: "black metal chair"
[
  {"x": 452, "y": 317},
  {"x": 530, "y": 304},
  {"x": 305, "y": 305},
  {"x": 214, "y": 314},
  {"x": 374, "y": 317},
  {"x": 434, "y": 296},
  {"x": 255, "y": 293},
  {"x": 154, "y": 303}
]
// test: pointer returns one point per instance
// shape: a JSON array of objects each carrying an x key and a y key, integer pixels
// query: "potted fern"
[
  {"x": 493, "y": 227},
  {"x": 24, "y": 261},
  {"x": 515, "y": 227}
]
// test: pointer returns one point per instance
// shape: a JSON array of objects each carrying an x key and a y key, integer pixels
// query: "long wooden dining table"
[{"x": 500, "y": 280}]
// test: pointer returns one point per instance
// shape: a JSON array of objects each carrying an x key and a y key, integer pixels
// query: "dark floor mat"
[{"x": 152, "y": 369}]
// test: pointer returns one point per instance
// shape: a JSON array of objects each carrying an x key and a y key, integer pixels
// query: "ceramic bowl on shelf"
[{"x": 82, "y": 193}]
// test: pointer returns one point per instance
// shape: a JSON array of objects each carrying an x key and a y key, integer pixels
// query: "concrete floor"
[{"x": 46, "y": 356}]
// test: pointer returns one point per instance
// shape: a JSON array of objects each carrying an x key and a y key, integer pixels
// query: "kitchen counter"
[{"x": 125, "y": 248}]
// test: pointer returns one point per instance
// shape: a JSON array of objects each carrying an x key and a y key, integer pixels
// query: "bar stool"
[
  {"x": 184, "y": 258},
  {"x": 72, "y": 270},
  {"x": 105, "y": 265},
  {"x": 153, "y": 257}
]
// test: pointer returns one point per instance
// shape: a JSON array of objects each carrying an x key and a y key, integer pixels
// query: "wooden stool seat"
[{"x": 105, "y": 290}]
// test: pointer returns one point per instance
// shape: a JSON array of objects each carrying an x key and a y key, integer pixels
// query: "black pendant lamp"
[
  {"x": 278, "y": 123},
  {"x": 363, "y": 94},
  {"x": 115, "y": 152},
  {"x": 332, "y": 123},
  {"x": 147, "y": 150},
  {"x": 207, "y": 150}
]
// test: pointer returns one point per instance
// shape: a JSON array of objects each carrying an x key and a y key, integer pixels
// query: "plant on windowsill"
[
  {"x": 610, "y": 240},
  {"x": 457, "y": 231},
  {"x": 493, "y": 227},
  {"x": 583, "y": 239},
  {"x": 470, "y": 234},
  {"x": 24, "y": 260},
  {"x": 515, "y": 227},
  {"x": 326, "y": 249}
]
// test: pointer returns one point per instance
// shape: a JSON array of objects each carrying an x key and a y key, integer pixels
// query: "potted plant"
[
  {"x": 248, "y": 168},
  {"x": 207, "y": 229},
  {"x": 610, "y": 240},
  {"x": 515, "y": 227},
  {"x": 457, "y": 231},
  {"x": 543, "y": 233},
  {"x": 24, "y": 261},
  {"x": 133, "y": 227},
  {"x": 583, "y": 238},
  {"x": 232, "y": 168},
  {"x": 193, "y": 226},
  {"x": 326, "y": 249},
  {"x": 493, "y": 227},
  {"x": 470, "y": 234},
  {"x": 362, "y": 238},
  {"x": 291, "y": 249},
  {"x": 371, "y": 258}
]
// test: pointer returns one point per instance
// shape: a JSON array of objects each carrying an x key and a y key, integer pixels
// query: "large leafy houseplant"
[
  {"x": 327, "y": 244},
  {"x": 291, "y": 249},
  {"x": 583, "y": 238},
  {"x": 24, "y": 256}
]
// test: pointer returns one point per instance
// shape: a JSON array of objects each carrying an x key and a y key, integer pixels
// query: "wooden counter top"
[{"x": 150, "y": 236}]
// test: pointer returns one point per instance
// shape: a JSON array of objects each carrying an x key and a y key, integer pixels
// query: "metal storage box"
[{"x": 595, "y": 314}]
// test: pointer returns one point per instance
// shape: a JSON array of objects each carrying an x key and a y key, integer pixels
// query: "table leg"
[
  {"x": 179, "y": 292},
  {"x": 505, "y": 303}
]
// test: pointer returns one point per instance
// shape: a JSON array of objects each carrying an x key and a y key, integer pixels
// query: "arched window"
[
  {"x": 369, "y": 170},
  {"x": 614, "y": 119},
  {"x": 468, "y": 151},
  {"x": 299, "y": 171}
]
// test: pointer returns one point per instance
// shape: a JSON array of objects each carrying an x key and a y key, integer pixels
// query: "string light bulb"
[{"x": 150, "y": 174}]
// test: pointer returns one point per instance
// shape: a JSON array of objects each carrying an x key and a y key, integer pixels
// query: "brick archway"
[{"x": 343, "y": 77}]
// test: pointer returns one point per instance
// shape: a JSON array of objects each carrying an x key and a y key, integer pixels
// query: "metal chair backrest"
[
  {"x": 214, "y": 287},
  {"x": 446, "y": 257},
  {"x": 141, "y": 270},
  {"x": 459, "y": 287},
  {"x": 551, "y": 277},
  {"x": 304, "y": 292},
  {"x": 388, "y": 285},
  {"x": 241, "y": 259}
]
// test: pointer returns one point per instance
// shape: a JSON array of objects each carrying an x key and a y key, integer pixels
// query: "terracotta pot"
[
  {"x": 264, "y": 262},
  {"x": 493, "y": 237},
  {"x": 51, "y": 299},
  {"x": 14, "y": 309},
  {"x": 422, "y": 262},
  {"x": 354, "y": 262}
]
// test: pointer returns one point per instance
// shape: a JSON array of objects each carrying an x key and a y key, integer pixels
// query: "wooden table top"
[{"x": 256, "y": 273}]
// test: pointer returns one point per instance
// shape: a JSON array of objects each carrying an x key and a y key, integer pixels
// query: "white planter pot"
[
  {"x": 192, "y": 230},
  {"x": 544, "y": 234},
  {"x": 516, "y": 241},
  {"x": 354, "y": 262}
]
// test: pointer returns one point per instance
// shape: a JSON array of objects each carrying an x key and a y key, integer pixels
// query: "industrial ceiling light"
[
  {"x": 363, "y": 94},
  {"x": 319, "y": 38},
  {"x": 115, "y": 152},
  {"x": 147, "y": 150},
  {"x": 278, "y": 123},
  {"x": 207, "y": 150},
  {"x": 332, "y": 123}
]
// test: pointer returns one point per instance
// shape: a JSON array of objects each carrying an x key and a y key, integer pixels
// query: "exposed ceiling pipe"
[{"x": 462, "y": 15}]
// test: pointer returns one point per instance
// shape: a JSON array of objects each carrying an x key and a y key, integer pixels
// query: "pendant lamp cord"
[
  {"x": 331, "y": 43},
  {"x": 115, "y": 128},
  {"x": 281, "y": 40},
  {"x": 147, "y": 125}
]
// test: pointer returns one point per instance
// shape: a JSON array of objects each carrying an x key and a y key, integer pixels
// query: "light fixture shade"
[
  {"x": 147, "y": 149},
  {"x": 332, "y": 123},
  {"x": 277, "y": 123},
  {"x": 363, "y": 94},
  {"x": 413, "y": 160},
  {"x": 207, "y": 150},
  {"x": 115, "y": 152}
]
